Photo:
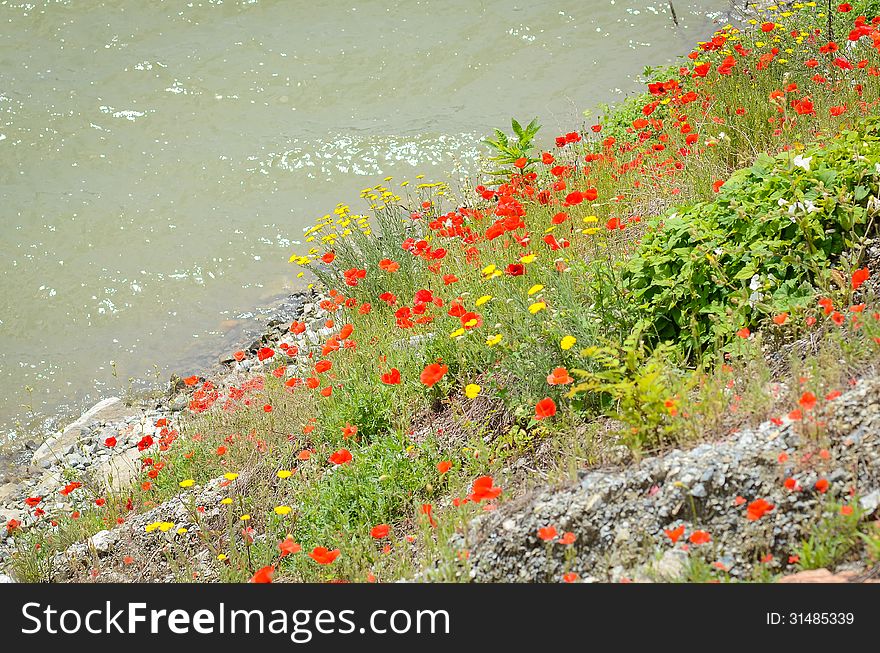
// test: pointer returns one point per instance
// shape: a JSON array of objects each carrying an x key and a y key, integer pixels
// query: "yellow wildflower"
[{"x": 537, "y": 307}]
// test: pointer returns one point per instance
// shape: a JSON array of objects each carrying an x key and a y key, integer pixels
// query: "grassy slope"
[{"x": 567, "y": 288}]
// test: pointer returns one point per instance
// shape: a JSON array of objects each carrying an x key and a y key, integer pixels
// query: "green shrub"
[{"x": 759, "y": 248}]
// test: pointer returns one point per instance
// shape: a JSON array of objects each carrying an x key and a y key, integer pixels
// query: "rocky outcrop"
[{"x": 619, "y": 516}]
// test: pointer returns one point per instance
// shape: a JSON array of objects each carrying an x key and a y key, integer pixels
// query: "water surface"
[{"x": 159, "y": 160}]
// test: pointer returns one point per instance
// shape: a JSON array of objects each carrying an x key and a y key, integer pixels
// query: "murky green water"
[{"x": 159, "y": 160}]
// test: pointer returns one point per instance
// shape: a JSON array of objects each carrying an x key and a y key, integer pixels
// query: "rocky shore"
[
  {"x": 79, "y": 449},
  {"x": 622, "y": 513}
]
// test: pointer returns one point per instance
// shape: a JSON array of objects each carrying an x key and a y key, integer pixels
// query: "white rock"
[{"x": 103, "y": 540}]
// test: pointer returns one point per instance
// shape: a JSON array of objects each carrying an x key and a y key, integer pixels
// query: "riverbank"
[
  {"x": 81, "y": 448},
  {"x": 647, "y": 353}
]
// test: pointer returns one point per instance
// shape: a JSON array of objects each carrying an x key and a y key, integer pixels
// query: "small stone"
[{"x": 870, "y": 502}]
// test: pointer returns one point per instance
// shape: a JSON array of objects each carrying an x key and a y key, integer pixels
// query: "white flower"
[{"x": 802, "y": 162}]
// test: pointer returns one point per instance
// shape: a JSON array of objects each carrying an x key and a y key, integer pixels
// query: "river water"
[{"x": 159, "y": 160}]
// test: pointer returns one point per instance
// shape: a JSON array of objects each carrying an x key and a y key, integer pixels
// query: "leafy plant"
[
  {"x": 759, "y": 248},
  {"x": 831, "y": 541},
  {"x": 509, "y": 151},
  {"x": 637, "y": 386}
]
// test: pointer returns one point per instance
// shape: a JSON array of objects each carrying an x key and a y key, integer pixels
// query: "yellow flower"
[
  {"x": 528, "y": 258},
  {"x": 245, "y": 517},
  {"x": 226, "y": 501},
  {"x": 490, "y": 271},
  {"x": 166, "y": 526},
  {"x": 182, "y": 531},
  {"x": 567, "y": 342},
  {"x": 151, "y": 527},
  {"x": 536, "y": 288},
  {"x": 493, "y": 340},
  {"x": 591, "y": 218},
  {"x": 471, "y": 390},
  {"x": 537, "y": 307},
  {"x": 187, "y": 483},
  {"x": 230, "y": 476},
  {"x": 284, "y": 473},
  {"x": 221, "y": 557},
  {"x": 457, "y": 333},
  {"x": 282, "y": 510},
  {"x": 482, "y": 300}
]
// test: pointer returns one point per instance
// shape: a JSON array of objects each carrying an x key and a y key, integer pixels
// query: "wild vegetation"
[{"x": 693, "y": 262}]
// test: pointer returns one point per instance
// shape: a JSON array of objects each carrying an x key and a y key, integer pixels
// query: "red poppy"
[
  {"x": 822, "y": 485},
  {"x": 239, "y": 356},
  {"x": 392, "y": 377},
  {"x": 675, "y": 533},
  {"x": 483, "y": 489},
  {"x": 349, "y": 430},
  {"x": 265, "y": 353},
  {"x": 545, "y": 408},
  {"x": 559, "y": 376},
  {"x": 570, "y": 577},
  {"x": 264, "y": 575},
  {"x": 444, "y": 466},
  {"x": 380, "y": 531},
  {"x": 700, "y": 537},
  {"x": 859, "y": 277},
  {"x": 547, "y": 533},
  {"x": 428, "y": 509},
  {"x": 804, "y": 107},
  {"x": 757, "y": 509},
  {"x": 808, "y": 401},
  {"x": 322, "y": 366},
  {"x": 323, "y": 556},
  {"x": 433, "y": 373},
  {"x": 568, "y": 538},
  {"x": 288, "y": 546},
  {"x": 70, "y": 487},
  {"x": 340, "y": 457},
  {"x": 33, "y": 502}
]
